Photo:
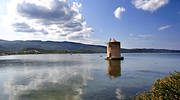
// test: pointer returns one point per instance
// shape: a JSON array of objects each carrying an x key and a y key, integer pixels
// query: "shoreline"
[{"x": 4, "y": 54}]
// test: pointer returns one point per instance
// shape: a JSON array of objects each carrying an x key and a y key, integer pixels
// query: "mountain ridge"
[{"x": 28, "y": 46}]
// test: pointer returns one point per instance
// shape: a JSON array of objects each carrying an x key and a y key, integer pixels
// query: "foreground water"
[{"x": 81, "y": 76}]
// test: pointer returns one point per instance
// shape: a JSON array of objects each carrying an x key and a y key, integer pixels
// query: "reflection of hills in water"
[{"x": 114, "y": 68}]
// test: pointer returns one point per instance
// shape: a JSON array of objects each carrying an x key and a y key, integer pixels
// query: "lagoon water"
[{"x": 81, "y": 76}]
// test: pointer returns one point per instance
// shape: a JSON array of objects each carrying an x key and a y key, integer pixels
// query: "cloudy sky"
[{"x": 136, "y": 23}]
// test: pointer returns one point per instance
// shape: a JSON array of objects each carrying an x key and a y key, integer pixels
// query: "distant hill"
[
  {"x": 144, "y": 50},
  {"x": 37, "y": 46},
  {"x": 49, "y": 46}
]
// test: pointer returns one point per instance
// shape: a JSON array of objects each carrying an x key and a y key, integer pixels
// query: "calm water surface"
[{"x": 81, "y": 76}]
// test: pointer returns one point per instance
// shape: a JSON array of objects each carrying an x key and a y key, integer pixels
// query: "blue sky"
[{"x": 135, "y": 23}]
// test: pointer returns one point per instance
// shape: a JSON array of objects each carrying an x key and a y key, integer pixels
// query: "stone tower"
[{"x": 114, "y": 50}]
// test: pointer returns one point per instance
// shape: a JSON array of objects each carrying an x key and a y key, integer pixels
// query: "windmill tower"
[{"x": 114, "y": 50}]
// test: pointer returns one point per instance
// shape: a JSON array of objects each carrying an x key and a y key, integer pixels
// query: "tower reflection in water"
[{"x": 113, "y": 68}]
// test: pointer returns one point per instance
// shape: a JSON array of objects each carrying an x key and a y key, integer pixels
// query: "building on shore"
[{"x": 114, "y": 50}]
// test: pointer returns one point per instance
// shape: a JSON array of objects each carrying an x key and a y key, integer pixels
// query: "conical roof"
[{"x": 113, "y": 40}]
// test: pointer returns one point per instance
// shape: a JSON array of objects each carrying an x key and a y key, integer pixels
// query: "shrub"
[{"x": 167, "y": 88}]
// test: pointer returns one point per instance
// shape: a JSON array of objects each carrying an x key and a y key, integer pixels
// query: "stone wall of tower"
[{"x": 113, "y": 50}]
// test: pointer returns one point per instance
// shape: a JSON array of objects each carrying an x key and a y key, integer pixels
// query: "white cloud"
[
  {"x": 144, "y": 35},
  {"x": 140, "y": 36},
  {"x": 118, "y": 12},
  {"x": 149, "y": 5},
  {"x": 51, "y": 19},
  {"x": 131, "y": 34},
  {"x": 140, "y": 40},
  {"x": 164, "y": 27},
  {"x": 179, "y": 12},
  {"x": 39, "y": 80},
  {"x": 119, "y": 95}
]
